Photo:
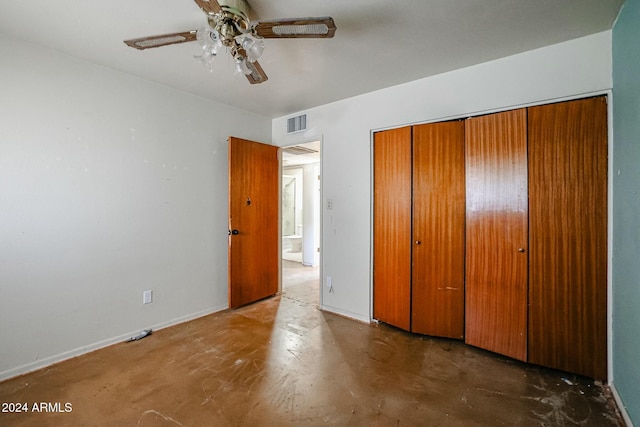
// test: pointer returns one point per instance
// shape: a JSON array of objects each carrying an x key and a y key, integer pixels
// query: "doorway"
[{"x": 300, "y": 222}]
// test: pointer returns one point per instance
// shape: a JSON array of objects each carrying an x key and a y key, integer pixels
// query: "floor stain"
[{"x": 284, "y": 362}]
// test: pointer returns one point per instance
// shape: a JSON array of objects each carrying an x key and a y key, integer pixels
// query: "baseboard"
[
  {"x": 48, "y": 361},
  {"x": 344, "y": 313},
  {"x": 621, "y": 407}
]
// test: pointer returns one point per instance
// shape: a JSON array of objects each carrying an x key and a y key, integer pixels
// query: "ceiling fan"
[{"x": 229, "y": 27}]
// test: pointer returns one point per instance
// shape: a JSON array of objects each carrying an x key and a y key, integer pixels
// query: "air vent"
[
  {"x": 298, "y": 150},
  {"x": 297, "y": 124}
]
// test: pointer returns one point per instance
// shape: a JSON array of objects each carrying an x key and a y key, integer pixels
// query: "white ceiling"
[
  {"x": 290, "y": 160},
  {"x": 379, "y": 43}
]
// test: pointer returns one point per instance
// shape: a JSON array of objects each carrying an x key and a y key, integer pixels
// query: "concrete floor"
[{"x": 283, "y": 362}]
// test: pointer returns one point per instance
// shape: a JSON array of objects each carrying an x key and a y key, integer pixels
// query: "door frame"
[{"x": 303, "y": 141}]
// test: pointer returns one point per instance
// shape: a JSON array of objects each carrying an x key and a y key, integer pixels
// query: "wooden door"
[
  {"x": 253, "y": 221},
  {"x": 392, "y": 227},
  {"x": 438, "y": 229},
  {"x": 497, "y": 236},
  {"x": 568, "y": 245}
]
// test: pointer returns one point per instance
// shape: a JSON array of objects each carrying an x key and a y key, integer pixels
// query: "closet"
[
  {"x": 494, "y": 229},
  {"x": 419, "y": 228},
  {"x": 497, "y": 233},
  {"x": 568, "y": 236},
  {"x": 392, "y": 227}
]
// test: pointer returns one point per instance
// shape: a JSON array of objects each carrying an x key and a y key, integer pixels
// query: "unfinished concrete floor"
[{"x": 283, "y": 362}]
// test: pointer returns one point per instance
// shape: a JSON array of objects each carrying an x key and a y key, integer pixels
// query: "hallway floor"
[{"x": 283, "y": 362}]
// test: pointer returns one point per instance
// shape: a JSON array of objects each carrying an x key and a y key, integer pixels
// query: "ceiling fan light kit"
[{"x": 230, "y": 27}]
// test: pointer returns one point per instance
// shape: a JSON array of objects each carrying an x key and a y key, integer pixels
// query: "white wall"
[
  {"x": 577, "y": 67},
  {"x": 310, "y": 242},
  {"x": 109, "y": 185}
]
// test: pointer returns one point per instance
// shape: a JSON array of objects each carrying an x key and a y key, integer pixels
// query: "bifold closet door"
[
  {"x": 438, "y": 230},
  {"x": 392, "y": 227},
  {"x": 497, "y": 233},
  {"x": 568, "y": 220}
]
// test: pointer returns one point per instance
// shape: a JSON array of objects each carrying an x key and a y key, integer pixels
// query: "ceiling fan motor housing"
[
  {"x": 232, "y": 21},
  {"x": 240, "y": 5}
]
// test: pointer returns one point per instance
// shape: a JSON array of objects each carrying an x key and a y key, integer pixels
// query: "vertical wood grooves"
[
  {"x": 411, "y": 245},
  {"x": 497, "y": 228},
  {"x": 438, "y": 221},
  {"x": 392, "y": 227},
  {"x": 568, "y": 278},
  {"x": 512, "y": 224}
]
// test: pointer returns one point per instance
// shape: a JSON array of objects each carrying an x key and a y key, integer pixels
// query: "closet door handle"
[
  {"x": 520, "y": 249},
  {"x": 418, "y": 242}
]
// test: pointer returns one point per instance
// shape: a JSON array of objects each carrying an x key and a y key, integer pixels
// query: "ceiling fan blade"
[
  {"x": 257, "y": 74},
  {"x": 322, "y": 27},
  {"x": 161, "y": 40},
  {"x": 210, "y": 7}
]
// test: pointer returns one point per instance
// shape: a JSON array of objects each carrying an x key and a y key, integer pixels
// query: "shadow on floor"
[{"x": 283, "y": 362}]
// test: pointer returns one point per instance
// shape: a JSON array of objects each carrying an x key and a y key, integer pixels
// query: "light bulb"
[
  {"x": 210, "y": 43},
  {"x": 203, "y": 35},
  {"x": 206, "y": 59},
  {"x": 253, "y": 47},
  {"x": 209, "y": 39},
  {"x": 242, "y": 67}
]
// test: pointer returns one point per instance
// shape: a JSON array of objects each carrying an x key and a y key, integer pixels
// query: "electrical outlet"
[{"x": 147, "y": 297}]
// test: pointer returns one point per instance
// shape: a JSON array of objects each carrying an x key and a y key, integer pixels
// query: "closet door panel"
[
  {"x": 497, "y": 233},
  {"x": 568, "y": 270},
  {"x": 438, "y": 229},
  {"x": 392, "y": 227}
]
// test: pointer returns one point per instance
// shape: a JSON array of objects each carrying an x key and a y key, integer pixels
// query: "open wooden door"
[{"x": 253, "y": 221}]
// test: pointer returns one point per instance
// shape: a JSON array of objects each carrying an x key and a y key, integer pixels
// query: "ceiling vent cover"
[{"x": 297, "y": 124}]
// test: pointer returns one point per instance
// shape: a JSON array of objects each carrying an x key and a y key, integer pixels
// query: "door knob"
[
  {"x": 418, "y": 242},
  {"x": 520, "y": 249},
  {"x": 234, "y": 231}
]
